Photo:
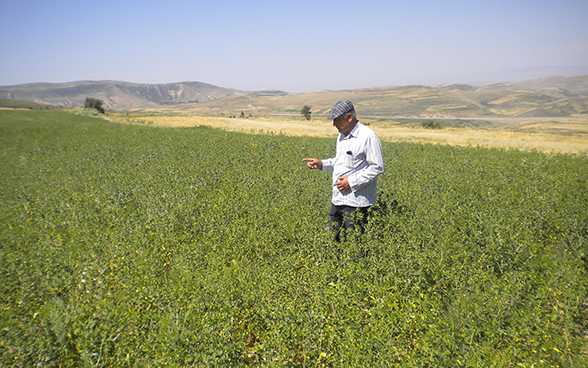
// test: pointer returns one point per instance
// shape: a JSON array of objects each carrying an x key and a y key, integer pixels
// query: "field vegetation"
[{"x": 138, "y": 245}]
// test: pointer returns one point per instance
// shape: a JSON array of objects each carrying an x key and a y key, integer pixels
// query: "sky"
[{"x": 294, "y": 46}]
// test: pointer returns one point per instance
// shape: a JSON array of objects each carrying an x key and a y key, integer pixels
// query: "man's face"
[{"x": 344, "y": 123}]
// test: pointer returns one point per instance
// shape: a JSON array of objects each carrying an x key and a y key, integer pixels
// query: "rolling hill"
[
  {"x": 455, "y": 101},
  {"x": 117, "y": 95},
  {"x": 545, "y": 97}
]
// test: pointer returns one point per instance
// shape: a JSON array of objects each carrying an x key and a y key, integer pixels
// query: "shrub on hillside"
[
  {"x": 94, "y": 103},
  {"x": 306, "y": 112},
  {"x": 431, "y": 125}
]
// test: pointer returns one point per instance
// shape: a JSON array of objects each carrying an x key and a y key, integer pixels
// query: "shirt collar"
[{"x": 353, "y": 132}]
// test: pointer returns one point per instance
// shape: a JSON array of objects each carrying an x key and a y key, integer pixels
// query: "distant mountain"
[
  {"x": 552, "y": 86},
  {"x": 544, "y": 97},
  {"x": 118, "y": 95},
  {"x": 428, "y": 102},
  {"x": 515, "y": 75}
]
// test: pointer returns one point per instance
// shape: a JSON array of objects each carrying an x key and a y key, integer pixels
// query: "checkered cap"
[{"x": 340, "y": 108}]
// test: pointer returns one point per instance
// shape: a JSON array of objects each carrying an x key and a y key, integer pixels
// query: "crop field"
[{"x": 133, "y": 245}]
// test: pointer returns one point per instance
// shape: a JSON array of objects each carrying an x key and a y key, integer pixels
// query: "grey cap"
[{"x": 340, "y": 108}]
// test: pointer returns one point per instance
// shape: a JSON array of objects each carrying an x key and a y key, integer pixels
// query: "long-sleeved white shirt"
[{"x": 359, "y": 157}]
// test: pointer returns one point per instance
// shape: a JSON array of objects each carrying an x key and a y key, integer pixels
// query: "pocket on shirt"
[{"x": 349, "y": 160}]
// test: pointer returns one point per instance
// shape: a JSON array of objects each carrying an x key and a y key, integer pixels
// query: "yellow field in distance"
[{"x": 551, "y": 135}]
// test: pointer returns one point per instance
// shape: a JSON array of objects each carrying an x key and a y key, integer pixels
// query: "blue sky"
[{"x": 295, "y": 46}]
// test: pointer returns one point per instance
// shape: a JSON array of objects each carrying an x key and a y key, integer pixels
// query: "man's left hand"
[{"x": 343, "y": 184}]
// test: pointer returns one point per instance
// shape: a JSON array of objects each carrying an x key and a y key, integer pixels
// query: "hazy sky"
[{"x": 295, "y": 46}]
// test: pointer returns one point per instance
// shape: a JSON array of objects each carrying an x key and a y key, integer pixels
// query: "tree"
[
  {"x": 94, "y": 103},
  {"x": 305, "y": 111}
]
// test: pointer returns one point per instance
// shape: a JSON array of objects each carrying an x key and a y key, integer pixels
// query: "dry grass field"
[{"x": 556, "y": 135}]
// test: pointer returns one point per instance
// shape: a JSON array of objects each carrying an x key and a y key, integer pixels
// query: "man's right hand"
[{"x": 313, "y": 163}]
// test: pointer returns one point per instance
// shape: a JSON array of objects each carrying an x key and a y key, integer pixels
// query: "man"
[{"x": 356, "y": 166}]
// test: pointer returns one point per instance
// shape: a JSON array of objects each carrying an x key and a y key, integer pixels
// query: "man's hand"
[
  {"x": 313, "y": 163},
  {"x": 343, "y": 185}
]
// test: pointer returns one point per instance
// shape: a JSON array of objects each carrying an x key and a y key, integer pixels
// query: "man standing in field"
[{"x": 356, "y": 166}]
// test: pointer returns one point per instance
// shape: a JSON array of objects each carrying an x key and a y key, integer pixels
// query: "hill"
[
  {"x": 456, "y": 101},
  {"x": 12, "y": 104},
  {"x": 545, "y": 97},
  {"x": 117, "y": 95},
  {"x": 552, "y": 86}
]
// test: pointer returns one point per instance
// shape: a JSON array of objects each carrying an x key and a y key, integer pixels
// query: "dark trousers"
[{"x": 348, "y": 218}]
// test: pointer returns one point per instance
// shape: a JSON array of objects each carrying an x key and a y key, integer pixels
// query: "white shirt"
[{"x": 359, "y": 157}]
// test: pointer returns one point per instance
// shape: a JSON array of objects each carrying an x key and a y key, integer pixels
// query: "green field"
[{"x": 128, "y": 245}]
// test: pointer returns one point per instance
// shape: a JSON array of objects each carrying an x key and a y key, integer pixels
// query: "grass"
[{"x": 132, "y": 245}]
